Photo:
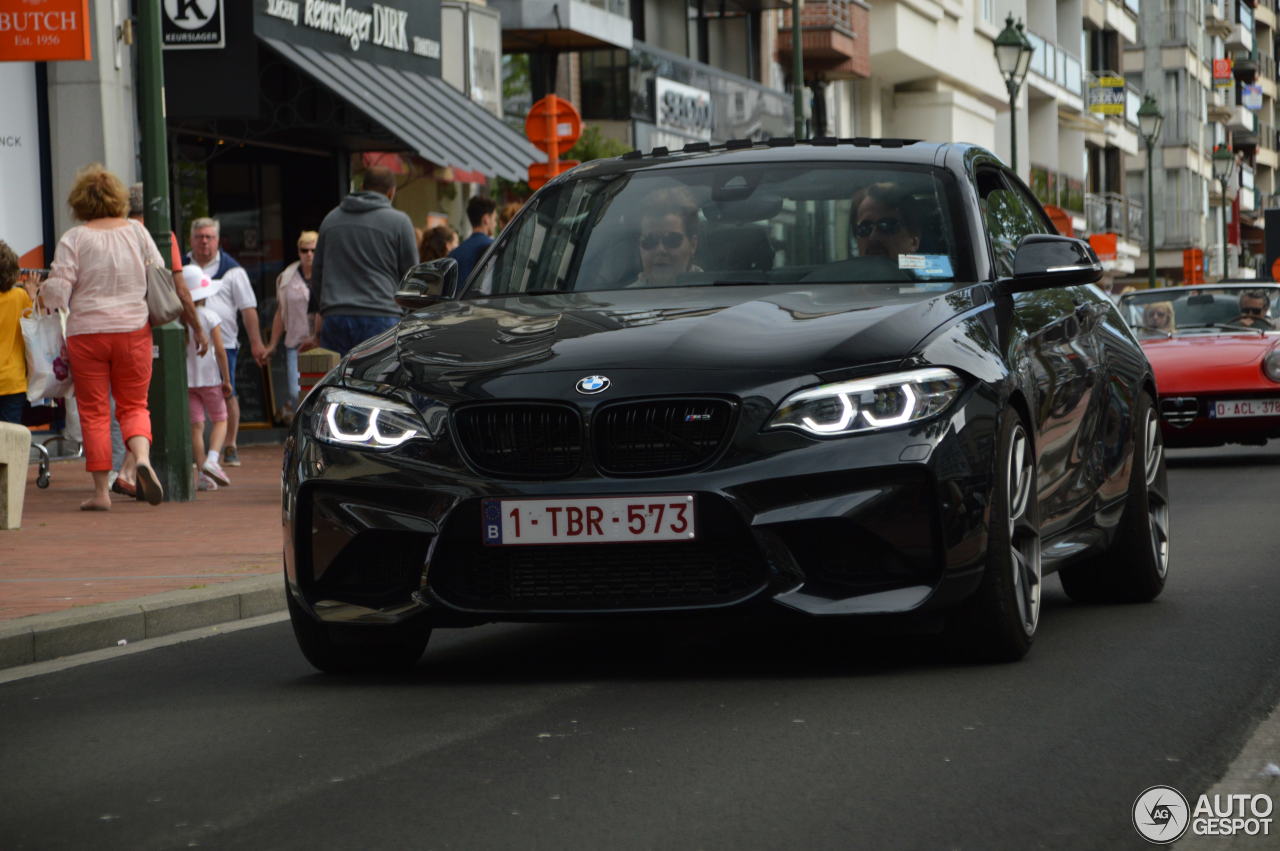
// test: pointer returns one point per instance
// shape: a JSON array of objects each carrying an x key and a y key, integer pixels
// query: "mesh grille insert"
[
  {"x": 660, "y": 435},
  {"x": 521, "y": 440}
]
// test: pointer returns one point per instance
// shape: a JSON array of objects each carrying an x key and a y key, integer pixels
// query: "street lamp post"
[
  {"x": 1224, "y": 163},
  {"x": 1149, "y": 123},
  {"x": 1013, "y": 56}
]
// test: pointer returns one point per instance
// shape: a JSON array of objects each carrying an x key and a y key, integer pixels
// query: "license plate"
[
  {"x": 1245, "y": 408},
  {"x": 588, "y": 520}
]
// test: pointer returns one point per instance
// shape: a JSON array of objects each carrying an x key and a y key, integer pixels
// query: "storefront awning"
[{"x": 437, "y": 121}]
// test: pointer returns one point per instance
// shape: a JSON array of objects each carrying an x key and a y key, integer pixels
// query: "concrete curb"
[{"x": 38, "y": 638}]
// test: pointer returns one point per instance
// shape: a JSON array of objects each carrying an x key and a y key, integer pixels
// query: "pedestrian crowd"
[{"x": 339, "y": 292}]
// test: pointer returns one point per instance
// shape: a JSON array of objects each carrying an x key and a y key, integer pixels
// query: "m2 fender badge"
[{"x": 592, "y": 384}]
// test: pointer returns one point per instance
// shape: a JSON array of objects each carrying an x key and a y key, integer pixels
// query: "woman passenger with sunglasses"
[{"x": 668, "y": 237}]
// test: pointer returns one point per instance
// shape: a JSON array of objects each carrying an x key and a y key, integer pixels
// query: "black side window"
[{"x": 1010, "y": 215}]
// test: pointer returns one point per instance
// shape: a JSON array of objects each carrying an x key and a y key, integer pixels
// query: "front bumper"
[
  {"x": 877, "y": 523},
  {"x": 1187, "y": 420}
]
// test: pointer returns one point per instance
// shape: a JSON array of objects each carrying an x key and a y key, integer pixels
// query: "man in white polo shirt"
[{"x": 235, "y": 296}]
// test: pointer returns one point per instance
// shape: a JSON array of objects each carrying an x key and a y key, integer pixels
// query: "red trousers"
[{"x": 104, "y": 365}]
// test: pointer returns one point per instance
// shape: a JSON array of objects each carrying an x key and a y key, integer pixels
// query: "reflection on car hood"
[
  {"x": 740, "y": 328},
  {"x": 1206, "y": 351}
]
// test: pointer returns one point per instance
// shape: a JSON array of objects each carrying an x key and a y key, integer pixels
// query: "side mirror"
[
  {"x": 1048, "y": 260},
  {"x": 428, "y": 283}
]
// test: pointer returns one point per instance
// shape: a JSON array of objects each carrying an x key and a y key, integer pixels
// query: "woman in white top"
[
  {"x": 99, "y": 275},
  {"x": 293, "y": 291}
]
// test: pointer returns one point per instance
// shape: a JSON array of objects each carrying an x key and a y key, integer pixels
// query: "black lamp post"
[
  {"x": 1149, "y": 122},
  {"x": 1224, "y": 163},
  {"x": 1013, "y": 56}
]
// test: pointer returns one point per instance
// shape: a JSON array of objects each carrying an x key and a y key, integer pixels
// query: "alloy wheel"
[
  {"x": 1024, "y": 532},
  {"x": 1157, "y": 504}
]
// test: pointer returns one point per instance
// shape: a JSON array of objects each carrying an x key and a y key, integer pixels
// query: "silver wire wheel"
[{"x": 1024, "y": 531}]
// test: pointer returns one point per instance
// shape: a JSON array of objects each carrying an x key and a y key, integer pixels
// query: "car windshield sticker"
[{"x": 926, "y": 265}]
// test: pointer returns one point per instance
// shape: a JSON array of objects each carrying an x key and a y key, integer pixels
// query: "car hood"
[
  {"x": 1207, "y": 351},
  {"x": 756, "y": 328}
]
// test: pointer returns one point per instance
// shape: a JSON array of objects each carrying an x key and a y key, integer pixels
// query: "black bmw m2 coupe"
[{"x": 844, "y": 377}]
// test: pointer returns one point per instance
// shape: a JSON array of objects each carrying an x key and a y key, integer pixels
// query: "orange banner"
[{"x": 45, "y": 31}]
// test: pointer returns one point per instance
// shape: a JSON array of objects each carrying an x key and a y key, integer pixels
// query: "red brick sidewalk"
[{"x": 62, "y": 557}]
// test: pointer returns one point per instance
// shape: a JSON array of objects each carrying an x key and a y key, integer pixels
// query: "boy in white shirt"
[{"x": 208, "y": 383}]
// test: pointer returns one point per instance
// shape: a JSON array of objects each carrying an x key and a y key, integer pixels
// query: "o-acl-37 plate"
[{"x": 587, "y": 520}]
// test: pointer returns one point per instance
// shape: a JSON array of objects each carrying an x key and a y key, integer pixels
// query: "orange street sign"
[
  {"x": 47, "y": 31},
  {"x": 1275, "y": 270},
  {"x": 553, "y": 125}
]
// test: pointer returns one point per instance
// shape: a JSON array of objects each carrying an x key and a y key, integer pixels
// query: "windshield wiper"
[{"x": 741, "y": 283}]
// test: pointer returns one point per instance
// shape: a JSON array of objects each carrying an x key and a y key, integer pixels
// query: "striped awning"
[{"x": 428, "y": 115}]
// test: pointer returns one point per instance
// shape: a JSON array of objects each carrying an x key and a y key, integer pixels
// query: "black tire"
[
  {"x": 998, "y": 623},
  {"x": 337, "y": 649},
  {"x": 1135, "y": 567}
]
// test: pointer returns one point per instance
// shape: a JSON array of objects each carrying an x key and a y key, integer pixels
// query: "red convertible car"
[{"x": 1216, "y": 355}]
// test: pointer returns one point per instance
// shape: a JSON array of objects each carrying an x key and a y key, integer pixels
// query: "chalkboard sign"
[{"x": 253, "y": 389}]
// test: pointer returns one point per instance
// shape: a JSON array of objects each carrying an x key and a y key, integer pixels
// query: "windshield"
[
  {"x": 723, "y": 225},
  {"x": 1202, "y": 310}
]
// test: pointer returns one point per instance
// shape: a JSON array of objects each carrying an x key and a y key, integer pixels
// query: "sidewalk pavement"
[{"x": 72, "y": 581}]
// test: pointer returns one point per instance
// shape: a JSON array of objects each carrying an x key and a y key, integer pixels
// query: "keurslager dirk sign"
[{"x": 376, "y": 24}]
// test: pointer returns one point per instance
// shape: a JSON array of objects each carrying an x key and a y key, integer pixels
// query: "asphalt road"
[{"x": 680, "y": 735}]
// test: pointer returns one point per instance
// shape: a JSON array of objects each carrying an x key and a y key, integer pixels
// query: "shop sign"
[
  {"x": 1106, "y": 96},
  {"x": 683, "y": 109},
  {"x": 1251, "y": 96},
  {"x": 45, "y": 32},
  {"x": 1222, "y": 77},
  {"x": 192, "y": 25},
  {"x": 374, "y": 24}
]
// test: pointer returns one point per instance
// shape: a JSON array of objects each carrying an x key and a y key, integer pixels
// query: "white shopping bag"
[{"x": 48, "y": 367}]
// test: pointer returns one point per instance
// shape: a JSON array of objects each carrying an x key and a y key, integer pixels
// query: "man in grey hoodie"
[{"x": 365, "y": 248}]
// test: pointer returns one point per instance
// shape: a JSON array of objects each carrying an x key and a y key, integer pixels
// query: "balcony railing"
[
  {"x": 1111, "y": 212},
  {"x": 1182, "y": 27},
  {"x": 1053, "y": 187},
  {"x": 823, "y": 14},
  {"x": 1184, "y": 127},
  {"x": 1182, "y": 228},
  {"x": 1052, "y": 62}
]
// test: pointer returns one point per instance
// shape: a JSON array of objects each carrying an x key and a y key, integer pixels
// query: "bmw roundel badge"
[{"x": 592, "y": 384}]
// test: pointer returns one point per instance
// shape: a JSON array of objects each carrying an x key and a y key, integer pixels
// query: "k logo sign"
[{"x": 189, "y": 24}]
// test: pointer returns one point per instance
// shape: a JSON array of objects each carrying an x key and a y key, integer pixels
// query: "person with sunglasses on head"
[
  {"x": 1254, "y": 305},
  {"x": 668, "y": 237},
  {"x": 292, "y": 321},
  {"x": 884, "y": 222}
]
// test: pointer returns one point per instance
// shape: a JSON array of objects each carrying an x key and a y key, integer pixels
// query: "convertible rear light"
[{"x": 1179, "y": 411}]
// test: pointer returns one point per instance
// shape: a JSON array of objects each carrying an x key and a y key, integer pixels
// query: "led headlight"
[
  {"x": 1271, "y": 365},
  {"x": 869, "y": 403},
  {"x": 349, "y": 418}
]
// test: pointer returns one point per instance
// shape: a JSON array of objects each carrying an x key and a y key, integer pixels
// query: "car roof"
[{"x": 830, "y": 149}]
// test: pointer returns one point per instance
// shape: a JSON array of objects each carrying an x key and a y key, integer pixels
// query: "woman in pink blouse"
[{"x": 98, "y": 274}]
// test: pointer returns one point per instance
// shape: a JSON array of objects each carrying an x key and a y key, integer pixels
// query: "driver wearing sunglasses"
[
  {"x": 668, "y": 237},
  {"x": 883, "y": 223},
  {"x": 1254, "y": 305}
]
